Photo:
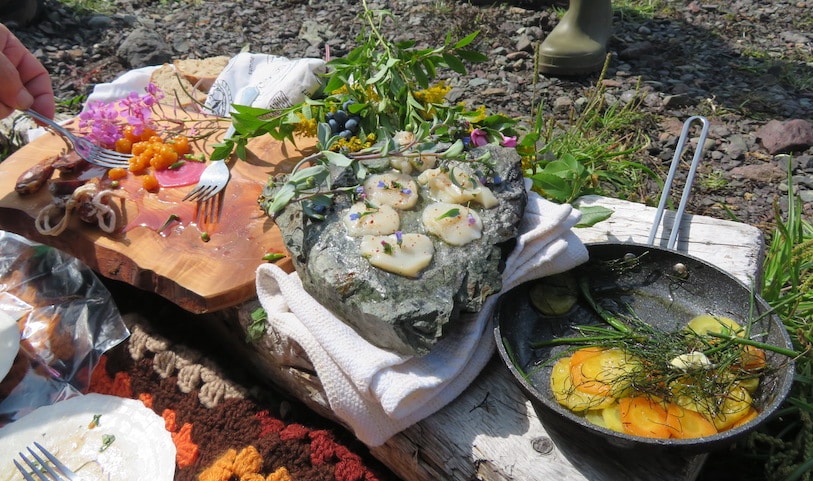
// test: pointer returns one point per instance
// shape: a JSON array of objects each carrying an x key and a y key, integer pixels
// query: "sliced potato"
[
  {"x": 567, "y": 395},
  {"x": 705, "y": 323},
  {"x": 605, "y": 372}
]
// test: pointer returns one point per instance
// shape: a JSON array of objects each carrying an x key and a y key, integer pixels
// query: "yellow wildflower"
[
  {"x": 433, "y": 95},
  {"x": 478, "y": 115},
  {"x": 353, "y": 144},
  {"x": 306, "y": 126}
]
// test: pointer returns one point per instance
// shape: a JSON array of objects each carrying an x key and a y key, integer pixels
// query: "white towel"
[
  {"x": 379, "y": 393},
  {"x": 280, "y": 82}
]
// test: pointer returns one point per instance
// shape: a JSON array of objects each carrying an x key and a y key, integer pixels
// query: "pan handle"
[{"x": 698, "y": 154}]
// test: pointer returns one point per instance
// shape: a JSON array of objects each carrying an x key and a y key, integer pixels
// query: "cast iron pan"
[{"x": 667, "y": 289}]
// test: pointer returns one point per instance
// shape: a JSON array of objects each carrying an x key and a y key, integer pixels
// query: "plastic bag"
[{"x": 67, "y": 319}]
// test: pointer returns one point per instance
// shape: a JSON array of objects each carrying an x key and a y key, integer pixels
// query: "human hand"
[{"x": 26, "y": 84}]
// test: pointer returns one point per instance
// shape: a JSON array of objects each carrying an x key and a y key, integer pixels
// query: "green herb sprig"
[{"x": 389, "y": 85}]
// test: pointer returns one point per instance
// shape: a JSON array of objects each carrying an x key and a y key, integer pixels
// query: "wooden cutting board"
[{"x": 176, "y": 263}]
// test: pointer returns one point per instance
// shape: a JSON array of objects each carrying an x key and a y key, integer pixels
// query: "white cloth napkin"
[
  {"x": 281, "y": 82},
  {"x": 131, "y": 81},
  {"x": 379, "y": 393}
]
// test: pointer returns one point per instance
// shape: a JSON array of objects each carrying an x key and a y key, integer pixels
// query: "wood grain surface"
[
  {"x": 492, "y": 432},
  {"x": 176, "y": 263}
]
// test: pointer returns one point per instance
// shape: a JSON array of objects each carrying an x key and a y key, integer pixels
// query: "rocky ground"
[{"x": 746, "y": 64}]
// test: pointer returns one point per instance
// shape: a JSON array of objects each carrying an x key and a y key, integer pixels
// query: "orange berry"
[
  {"x": 180, "y": 143},
  {"x": 129, "y": 134},
  {"x": 150, "y": 183},
  {"x": 147, "y": 133},
  {"x": 138, "y": 148},
  {"x": 155, "y": 140},
  {"x": 117, "y": 173},
  {"x": 124, "y": 145}
]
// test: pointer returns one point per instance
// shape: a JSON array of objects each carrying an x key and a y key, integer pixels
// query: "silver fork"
[
  {"x": 57, "y": 470},
  {"x": 216, "y": 176},
  {"x": 84, "y": 147}
]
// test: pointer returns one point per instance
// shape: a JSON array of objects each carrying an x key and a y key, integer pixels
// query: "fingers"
[
  {"x": 26, "y": 83},
  {"x": 12, "y": 91}
]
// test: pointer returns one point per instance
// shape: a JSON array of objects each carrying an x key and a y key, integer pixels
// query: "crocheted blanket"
[{"x": 225, "y": 431}]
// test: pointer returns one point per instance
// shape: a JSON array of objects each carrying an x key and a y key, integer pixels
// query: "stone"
[
  {"x": 144, "y": 47},
  {"x": 766, "y": 173},
  {"x": 402, "y": 314},
  {"x": 786, "y": 136},
  {"x": 737, "y": 147}
]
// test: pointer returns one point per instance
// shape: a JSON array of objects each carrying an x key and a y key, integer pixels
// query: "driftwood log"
[{"x": 491, "y": 432}]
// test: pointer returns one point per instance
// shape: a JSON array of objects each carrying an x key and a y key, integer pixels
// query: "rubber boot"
[
  {"x": 19, "y": 12},
  {"x": 578, "y": 44}
]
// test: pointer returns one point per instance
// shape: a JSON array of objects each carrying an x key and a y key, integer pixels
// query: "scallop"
[
  {"x": 453, "y": 223},
  {"x": 397, "y": 190},
  {"x": 364, "y": 219},
  {"x": 457, "y": 186},
  {"x": 403, "y": 254}
]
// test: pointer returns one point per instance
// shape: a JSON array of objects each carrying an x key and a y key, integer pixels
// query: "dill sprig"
[{"x": 654, "y": 352}]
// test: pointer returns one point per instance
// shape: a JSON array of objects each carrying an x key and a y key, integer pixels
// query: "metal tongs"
[{"x": 698, "y": 154}]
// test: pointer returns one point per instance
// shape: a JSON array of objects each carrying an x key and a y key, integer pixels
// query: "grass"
[
  {"x": 590, "y": 152},
  {"x": 786, "y": 444},
  {"x": 594, "y": 151}
]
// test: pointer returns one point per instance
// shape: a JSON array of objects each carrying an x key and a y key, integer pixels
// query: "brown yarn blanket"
[{"x": 226, "y": 430}]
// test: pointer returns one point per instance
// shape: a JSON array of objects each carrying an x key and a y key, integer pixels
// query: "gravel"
[{"x": 741, "y": 64}]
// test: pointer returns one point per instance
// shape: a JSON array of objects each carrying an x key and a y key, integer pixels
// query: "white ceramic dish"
[
  {"x": 9, "y": 342},
  {"x": 142, "y": 449}
]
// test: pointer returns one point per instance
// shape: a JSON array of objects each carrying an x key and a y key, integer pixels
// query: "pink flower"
[
  {"x": 509, "y": 141},
  {"x": 479, "y": 137},
  {"x": 99, "y": 122}
]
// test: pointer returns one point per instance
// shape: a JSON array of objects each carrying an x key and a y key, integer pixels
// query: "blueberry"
[
  {"x": 340, "y": 116},
  {"x": 334, "y": 125},
  {"x": 348, "y": 103},
  {"x": 345, "y": 134},
  {"x": 352, "y": 125}
]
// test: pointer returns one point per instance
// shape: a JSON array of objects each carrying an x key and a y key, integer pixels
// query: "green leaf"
[
  {"x": 552, "y": 187},
  {"x": 593, "y": 214},
  {"x": 449, "y": 213},
  {"x": 323, "y": 134},
  {"x": 303, "y": 175},
  {"x": 420, "y": 76},
  {"x": 466, "y": 40},
  {"x": 240, "y": 148},
  {"x": 222, "y": 150},
  {"x": 337, "y": 159},
  {"x": 256, "y": 329},
  {"x": 454, "y": 151},
  {"x": 472, "y": 56},
  {"x": 281, "y": 198},
  {"x": 454, "y": 63}
]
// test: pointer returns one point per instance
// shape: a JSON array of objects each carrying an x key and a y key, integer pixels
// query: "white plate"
[
  {"x": 142, "y": 449},
  {"x": 9, "y": 342}
]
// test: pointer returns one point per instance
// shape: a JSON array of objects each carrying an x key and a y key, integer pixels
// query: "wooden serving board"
[{"x": 176, "y": 263}]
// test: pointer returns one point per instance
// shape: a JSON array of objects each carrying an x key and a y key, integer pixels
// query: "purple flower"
[
  {"x": 399, "y": 237},
  {"x": 354, "y": 216},
  {"x": 471, "y": 220},
  {"x": 479, "y": 137},
  {"x": 406, "y": 191},
  {"x": 509, "y": 141},
  {"x": 99, "y": 123}
]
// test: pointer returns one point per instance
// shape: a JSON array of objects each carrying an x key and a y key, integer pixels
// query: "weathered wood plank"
[
  {"x": 732, "y": 246},
  {"x": 491, "y": 432}
]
